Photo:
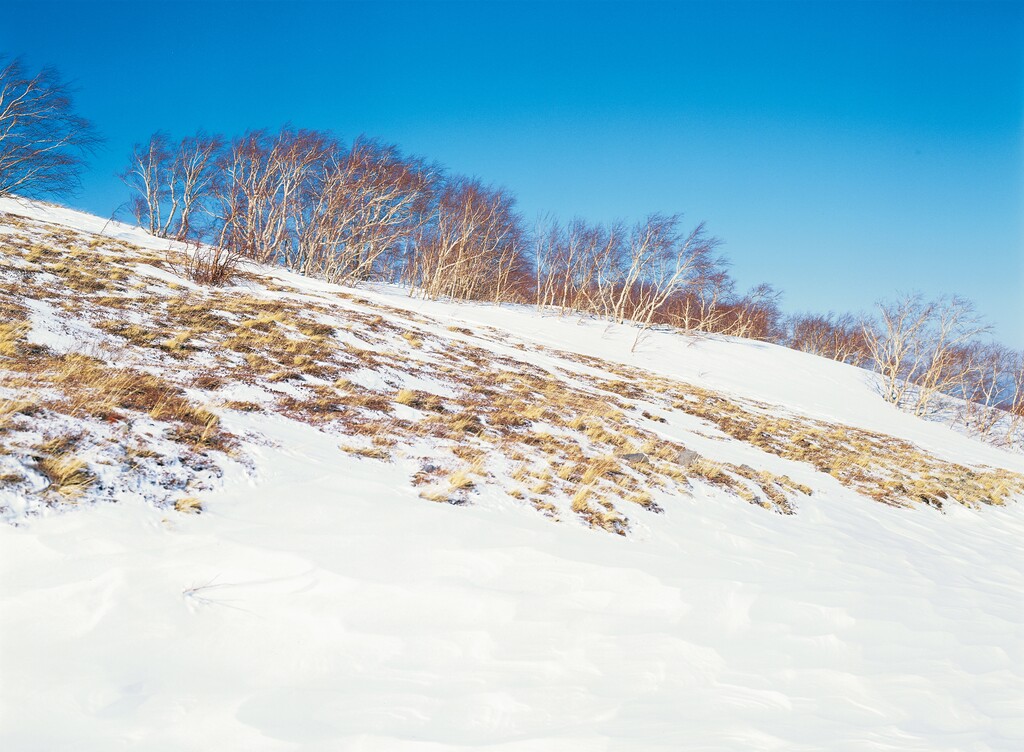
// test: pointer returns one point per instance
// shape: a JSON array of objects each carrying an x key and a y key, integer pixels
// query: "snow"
[
  {"x": 83, "y": 221},
  {"x": 807, "y": 384},
  {"x": 320, "y": 604},
  {"x": 60, "y": 334}
]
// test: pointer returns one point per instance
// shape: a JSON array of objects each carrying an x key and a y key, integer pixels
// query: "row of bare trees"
[
  {"x": 343, "y": 212},
  {"x": 364, "y": 211},
  {"x": 712, "y": 305},
  {"x": 992, "y": 387},
  {"x": 925, "y": 351},
  {"x": 654, "y": 272},
  {"x": 618, "y": 272},
  {"x": 839, "y": 337},
  {"x": 352, "y": 212}
]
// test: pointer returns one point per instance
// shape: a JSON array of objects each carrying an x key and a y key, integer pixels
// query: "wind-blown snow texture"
[{"x": 320, "y": 604}]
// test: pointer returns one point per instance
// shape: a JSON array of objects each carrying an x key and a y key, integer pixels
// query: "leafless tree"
[
  {"x": 983, "y": 371},
  {"x": 897, "y": 344},
  {"x": 662, "y": 261},
  {"x": 955, "y": 326},
  {"x": 704, "y": 305},
  {"x": 263, "y": 188},
  {"x": 839, "y": 337},
  {"x": 916, "y": 344},
  {"x": 192, "y": 175},
  {"x": 473, "y": 246},
  {"x": 172, "y": 183},
  {"x": 570, "y": 260},
  {"x": 369, "y": 204},
  {"x": 1013, "y": 400},
  {"x": 147, "y": 177},
  {"x": 754, "y": 316},
  {"x": 43, "y": 143}
]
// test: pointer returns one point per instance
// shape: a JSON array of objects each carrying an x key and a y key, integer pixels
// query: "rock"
[
  {"x": 639, "y": 457},
  {"x": 687, "y": 457}
]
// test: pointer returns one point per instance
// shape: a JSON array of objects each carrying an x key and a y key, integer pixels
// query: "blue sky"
[{"x": 842, "y": 151}]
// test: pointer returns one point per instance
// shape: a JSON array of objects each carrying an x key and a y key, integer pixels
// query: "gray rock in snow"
[
  {"x": 687, "y": 457},
  {"x": 639, "y": 457}
]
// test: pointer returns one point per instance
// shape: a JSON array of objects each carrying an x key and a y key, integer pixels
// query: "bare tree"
[
  {"x": 569, "y": 261},
  {"x": 147, "y": 175},
  {"x": 754, "y": 316},
  {"x": 703, "y": 305},
  {"x": 263, "y": 188},
  {"x": 663, "y": 260},
  {"x": 192, "y": 176},
  {"x": 916, "y": 347},
  {"x": 954, "y": 328},
  {"x": 1013, "y": 401},
  {"x": 897, "y": 344},
  {"x": 369, "y": 204},
  {"x": 984, "y": 372},
  {"x": 172, "y": 184},
  {"x": 43, "y": 143},
  {"x": 839, "y": 337},
  {"x": 472, "y": 247}
]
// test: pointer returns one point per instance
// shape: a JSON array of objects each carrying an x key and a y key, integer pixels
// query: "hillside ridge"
[
  {"x": 121, "y": 378},
  {"x": 437, "y": 525}
]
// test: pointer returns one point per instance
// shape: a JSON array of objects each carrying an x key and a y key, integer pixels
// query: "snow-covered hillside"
[{"x": 433, "y": 526}]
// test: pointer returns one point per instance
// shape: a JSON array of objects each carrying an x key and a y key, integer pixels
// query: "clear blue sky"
[{"x": 842, "y": 151}]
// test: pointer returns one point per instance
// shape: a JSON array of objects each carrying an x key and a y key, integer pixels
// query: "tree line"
[{"x": 356, "y": 211}]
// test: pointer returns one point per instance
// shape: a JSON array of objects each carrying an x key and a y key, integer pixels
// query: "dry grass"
[
  {"x": 412, "y": 339},
  {"x": 461, "y": 480},
  {"x": 10, "y": 408},
  {"x": 438, "y": 495},
  {"x": 707, "y": 469},
  {"x": 409, "y": 398},
  {"x": 68, "y": 475},
  {"x": 884, "y": 468},
  {"x": 92, "y": 388},
  {"x": 488, "y": 417},
  {"x": 188, "y": 505},
  {"x": 12, "y": 338},
  {"x": 372, "y": 452},
  {"x": 600, "y": 468},
  {"x": 602, "y": 515}
]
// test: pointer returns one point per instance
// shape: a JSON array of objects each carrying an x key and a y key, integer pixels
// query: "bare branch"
[{"x": 43, "y": 143}]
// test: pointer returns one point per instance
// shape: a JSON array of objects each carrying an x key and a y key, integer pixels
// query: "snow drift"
[{"x": 432, "y": 526}]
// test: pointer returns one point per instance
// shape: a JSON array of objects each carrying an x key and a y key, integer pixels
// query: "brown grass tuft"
[
  {"x": 189, "y": 505},
  {"x": 68, "y": 474}
]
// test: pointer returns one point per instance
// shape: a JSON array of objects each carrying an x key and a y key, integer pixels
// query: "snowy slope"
[{"x": 319, "y": 602}]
